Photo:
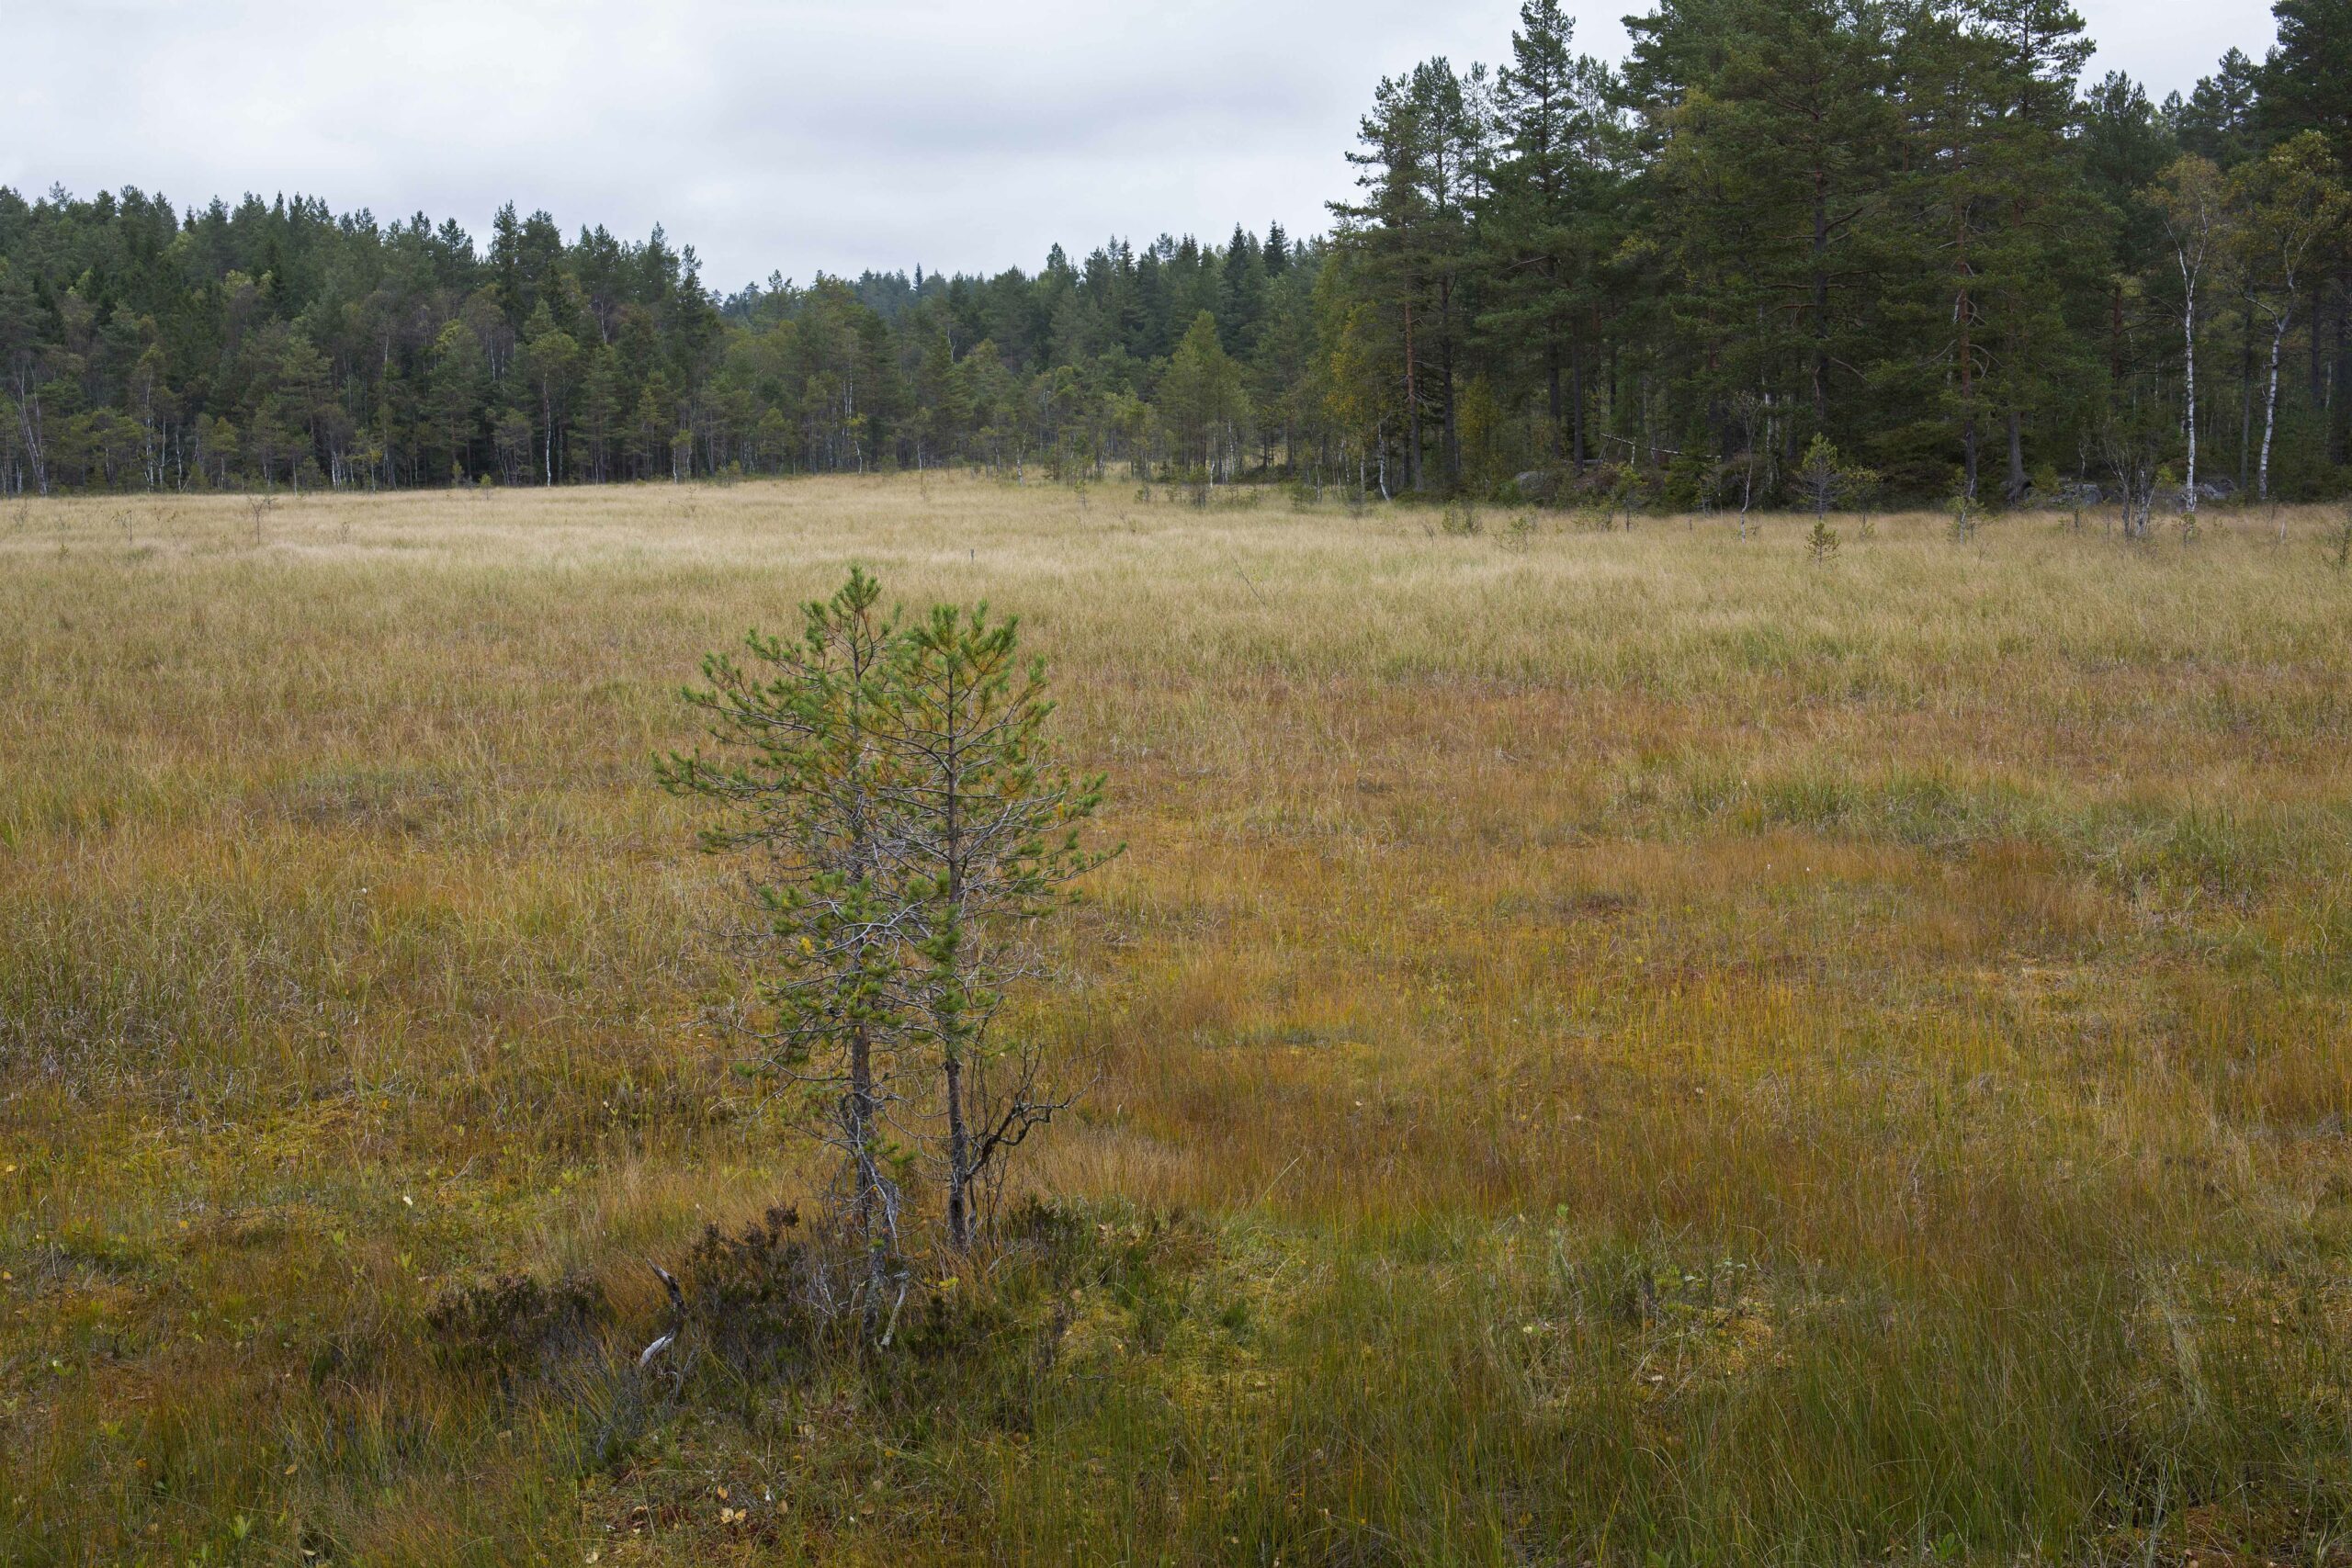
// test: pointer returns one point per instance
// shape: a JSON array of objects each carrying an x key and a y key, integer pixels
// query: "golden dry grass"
[{"x": 1659, "y": 1049}]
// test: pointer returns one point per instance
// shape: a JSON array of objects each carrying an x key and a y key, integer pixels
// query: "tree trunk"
[
  {"x": 1452, "y": 428},
  {"x": 959, "y": 1174},
  {"x": 2245, "y": 396},
  {"x": 2319, "y": 357},
  {"x": 1412, "y": 410},
  {"x": 2339, "y": 407},
  {"x": 872, "y": 1221},
  {"x": 1820, "y": 301},
  {"x": 2115, "y": 338},
  {"x": 1552, "y": 391},
  {"x": 1965, "y": 315},
  {"x": 1575, "y": 366},
  {"x": 2189, "y": 333},
  {"x": 2270, "y": 405}
]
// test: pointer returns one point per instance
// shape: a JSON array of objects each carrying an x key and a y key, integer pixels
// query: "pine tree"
[
  {"x": 2302, "y": 83},
  {"x": 1409, "y": 232},
  {"x": 805, "y": 782},
  {"x": 2030, "y": 259},
  {"x": 2219, "y": 119},
  {"x": 1771, "y": 183},
  {"x": 988, "y": 825},
  {"x": 598, "y": 411},
  {"x": 1958, "y": 188},
  {"x": 1547, "y": 223}
]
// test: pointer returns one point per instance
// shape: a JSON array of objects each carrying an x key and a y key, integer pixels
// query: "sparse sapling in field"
[
  {"x": 1820, "y": 476},
  {"x": 803, "y": 782},
  {"x": 907, "y": 828},
  {"x": 1859, "y": 486},
  {"x": 987, "y": 827},
  {"x": 1822, "y": 542}
]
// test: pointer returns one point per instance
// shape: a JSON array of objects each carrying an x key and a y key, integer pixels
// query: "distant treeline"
[{"x": 1902, "y": 226}]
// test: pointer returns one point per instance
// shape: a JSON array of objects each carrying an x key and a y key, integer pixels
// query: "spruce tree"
[{"x": 1201, "y": 401}]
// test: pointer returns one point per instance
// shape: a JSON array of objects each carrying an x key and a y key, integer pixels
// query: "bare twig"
[{"x": 677, "y": 1317}]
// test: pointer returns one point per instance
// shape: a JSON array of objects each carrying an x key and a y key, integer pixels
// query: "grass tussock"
[{"x": 1620, "y": 1047}]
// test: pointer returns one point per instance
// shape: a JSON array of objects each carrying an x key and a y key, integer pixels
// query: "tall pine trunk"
[
  {"x": 1452, "y": 431},
  {"x": 1576, "y": 372},
  {"x": 1820, "y": 301},
  {"x": 1551, "y": 389},
  {"x": 1965, "y": 314},
  {"x": 1412, "y": 409}
]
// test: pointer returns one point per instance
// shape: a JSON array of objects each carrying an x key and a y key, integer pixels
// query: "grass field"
[{"x": 1620, "y": 1047}]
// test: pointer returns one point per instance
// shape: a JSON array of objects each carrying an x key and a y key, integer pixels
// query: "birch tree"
[
  {"x": 2294, "y": 205},
  {"x": 2192, "y": 196},
  {"x": 21, "y": 361}
]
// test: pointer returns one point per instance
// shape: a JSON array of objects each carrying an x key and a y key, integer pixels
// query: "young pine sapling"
[
  {"x": 805, "y": 787},
  {"x": 908, "y": 829},
  {"x": 1820, "y": 476},
  {"x": 989, "y": 830},
  {"x": 1822, "y": 542}
]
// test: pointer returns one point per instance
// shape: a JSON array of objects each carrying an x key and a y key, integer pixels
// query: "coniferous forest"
[{"x": 1904, "y": 238}]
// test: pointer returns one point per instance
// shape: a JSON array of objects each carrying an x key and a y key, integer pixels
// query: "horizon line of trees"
[{"x": 1904, "y": 229}]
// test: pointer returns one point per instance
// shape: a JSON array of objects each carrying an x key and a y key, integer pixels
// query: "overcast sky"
[{"x": 798, "y": 134}]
